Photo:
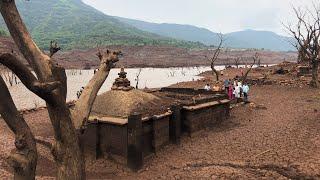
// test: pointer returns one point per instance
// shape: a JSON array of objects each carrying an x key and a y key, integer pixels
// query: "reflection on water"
[{"x": 149, "y": 78}]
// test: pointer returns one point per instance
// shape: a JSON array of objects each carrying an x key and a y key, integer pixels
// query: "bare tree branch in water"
[{"x": 215, "y": 56}]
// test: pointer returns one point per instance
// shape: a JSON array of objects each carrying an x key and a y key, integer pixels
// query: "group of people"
[{"x": 236, "y": 90}]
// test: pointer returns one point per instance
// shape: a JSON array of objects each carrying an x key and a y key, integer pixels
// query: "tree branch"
[
  {"x": 255, "y": 58},
  {"x": 43, "y": 90},
  {"x": 54, "y": 48},
  {"x": 24, "y": 158},
  {"x": 35, "y": 57},
  {"x": 82, "y": 108},
  {"x": 216, "y": 55}
]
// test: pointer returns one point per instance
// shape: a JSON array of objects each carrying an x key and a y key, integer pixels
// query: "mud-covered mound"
[{"x": 122, "y": 103}]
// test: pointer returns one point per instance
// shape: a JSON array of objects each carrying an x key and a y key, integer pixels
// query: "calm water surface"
[{"x": 149, "y": 78}]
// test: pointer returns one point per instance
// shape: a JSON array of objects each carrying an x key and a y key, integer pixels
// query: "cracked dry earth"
[{"x": 278, "y": 138}]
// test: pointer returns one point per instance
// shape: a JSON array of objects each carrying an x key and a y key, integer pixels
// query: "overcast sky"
[{"x": 217, "y": 15}]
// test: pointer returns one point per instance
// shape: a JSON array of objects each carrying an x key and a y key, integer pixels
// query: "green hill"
[{"x": 76, "y": 25}]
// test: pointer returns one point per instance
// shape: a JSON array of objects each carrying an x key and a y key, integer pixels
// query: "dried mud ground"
[{"x": 278, "y": 138}]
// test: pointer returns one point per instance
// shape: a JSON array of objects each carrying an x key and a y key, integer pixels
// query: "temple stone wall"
[{"x": 103, "y": 139}]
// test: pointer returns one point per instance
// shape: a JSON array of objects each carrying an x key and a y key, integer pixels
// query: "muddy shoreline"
[
  {"x": 278, "y": 137},
  {"x": 157, "y": 56}
]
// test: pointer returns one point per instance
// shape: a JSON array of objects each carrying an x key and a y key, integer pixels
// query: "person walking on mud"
[{"x": 245, "y": 89}]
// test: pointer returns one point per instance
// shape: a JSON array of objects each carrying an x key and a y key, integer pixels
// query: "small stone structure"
[
  {"x": 116, "y": 128},
  {"x": 303, "y": 71},
  {"x": 122, "y": 83}
]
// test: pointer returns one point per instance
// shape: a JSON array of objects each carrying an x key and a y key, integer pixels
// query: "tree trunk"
[
  {"x": 24, "y": 158},
  {"x": 51, "y": 86},
  {"x": 66, "y": 150},
  {"x": 215, "y": 72},
  {"x": 314, "y": 82}
]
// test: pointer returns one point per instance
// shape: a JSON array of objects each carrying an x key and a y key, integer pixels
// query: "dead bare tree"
[
  {"x": 306, "y": 32},
  {"x": 245, "y": 75},
  {"x": 258, "y": 61},
  {"x": 302, "y": 58},
  {"x": 237, "y": 62},
  {"x": 50, "y": 85},
  {"x": 138, "y": 78},
  {"x": 215, "y": 56}
]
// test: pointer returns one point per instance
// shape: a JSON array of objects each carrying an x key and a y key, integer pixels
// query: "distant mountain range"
[
  {"x": 76, "y": 25},
  {"x": 259, "y": 39},
  {"x": 242, "y": 39}
]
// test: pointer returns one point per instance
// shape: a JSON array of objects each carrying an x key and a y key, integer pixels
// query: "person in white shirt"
[
  {"x": 207, "y": 87},
  {"x": 245, "y": 90},
  {"x": 237, "y": 91}
]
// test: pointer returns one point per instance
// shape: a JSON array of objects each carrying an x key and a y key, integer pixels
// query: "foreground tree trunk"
[
  {"x": 23, "y": 159},
  {"x": 51, "y": 85},
  {"x": 66, "y": 150},
  {"x": 315, "y": 81}
]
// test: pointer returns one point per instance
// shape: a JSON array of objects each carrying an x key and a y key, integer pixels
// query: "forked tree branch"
[
  {"x": 22, "y": 38},
  {"x": 66, "y": 149},
  {"x": 43, "y": 90},
  {"x": 306, "y": 32},
  {"x": 237, "y": 61},
  {"x": 215, "y": 56},
  {"x": 82, "y": 108},
  {"x": 255, "y": 58}
]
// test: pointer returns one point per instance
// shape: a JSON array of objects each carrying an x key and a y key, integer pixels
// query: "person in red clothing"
[{"x": 230, "y": 91}]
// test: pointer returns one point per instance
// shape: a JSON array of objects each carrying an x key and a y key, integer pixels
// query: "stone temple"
[{"x": 130, "y": 125}]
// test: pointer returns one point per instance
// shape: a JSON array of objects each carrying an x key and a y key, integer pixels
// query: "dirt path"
[{"x": 280, "y": 138}]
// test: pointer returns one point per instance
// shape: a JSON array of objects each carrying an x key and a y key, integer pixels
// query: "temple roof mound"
[{"x": 122, "y": 103}]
